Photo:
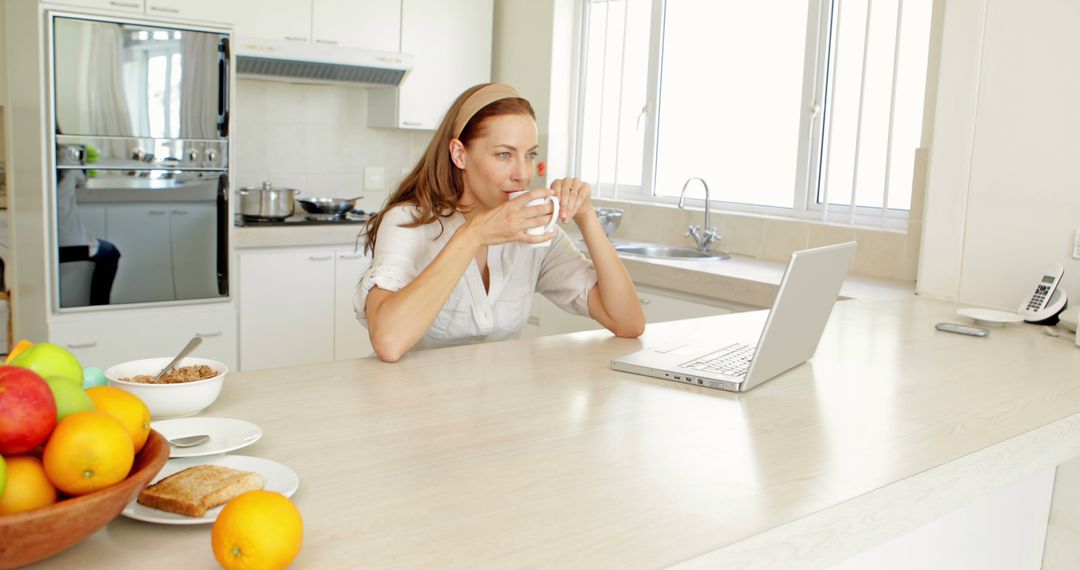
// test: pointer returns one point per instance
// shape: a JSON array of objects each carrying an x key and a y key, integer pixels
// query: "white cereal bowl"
[{"x": 169, "y": 400}]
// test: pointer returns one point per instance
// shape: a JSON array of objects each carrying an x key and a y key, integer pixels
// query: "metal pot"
[
  {"x": 266, "y": 203},
  {"x": 327, "y": 206}
]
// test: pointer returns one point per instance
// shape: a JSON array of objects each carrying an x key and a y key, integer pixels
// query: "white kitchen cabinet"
[
  {"x": 93, "y": 218},
  {"x": 206, "y": 10},
  {"x": 203, "y": 10},
  {"x": 351, "y": 339},
  {"x": 367, "y": 24},
  {"x": 286, "y": 307},
  {"x": 284, "y": 20},
  {"x": 105, "y": 338},
  {"x": 141, "y": 233},
  {"x": 296, "y": 306},
  {"x": 137, "y": 6},
  {"x": 658, "y": 305},
  {"x": 553, "y": 320},
  {"x": 451, "y": 47},
  {"x": 194, "y": 250}
]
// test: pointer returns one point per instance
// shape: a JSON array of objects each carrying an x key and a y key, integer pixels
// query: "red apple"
[{"x": 27, "y": 410}]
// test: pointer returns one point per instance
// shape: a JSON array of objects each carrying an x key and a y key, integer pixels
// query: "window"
[{"x": 783, "y": 107}]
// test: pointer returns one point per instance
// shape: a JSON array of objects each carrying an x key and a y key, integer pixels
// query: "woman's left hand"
[{"x": 575, "y": 198}]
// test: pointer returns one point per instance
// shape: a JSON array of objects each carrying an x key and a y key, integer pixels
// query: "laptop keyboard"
[{"x": 731, "y": 360}]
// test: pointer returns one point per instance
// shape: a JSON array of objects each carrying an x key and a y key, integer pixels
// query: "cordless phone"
[{"x": 1046, "y": 301}]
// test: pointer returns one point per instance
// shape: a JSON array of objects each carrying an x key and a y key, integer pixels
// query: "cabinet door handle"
[
  {"x": 295, "y": 39},
  {"x": 320, "y": 257},
  {"x": 168, "y": 10},
  {"x": 180, "y": 212},
  {"x": 90, "y": 344},
  {"x": 644, "y": 301},
  {"x": 412, "y": 123},
  {"x": 208, "y": 334},
  {"x": 350, "y": 255},
  {"x": 158, "y": 212},
  {"x": 124, "y": 4},
  {"x": 329, "y": 42}
]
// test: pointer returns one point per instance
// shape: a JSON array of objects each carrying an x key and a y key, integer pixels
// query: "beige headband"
[{"x": 482, "y": 98}]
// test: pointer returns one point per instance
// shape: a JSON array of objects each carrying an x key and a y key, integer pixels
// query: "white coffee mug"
[{"x": 539, "y": 231}]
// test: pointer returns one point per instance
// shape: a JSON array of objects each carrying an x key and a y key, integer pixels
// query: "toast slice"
[{"x": 198, "y": 489}]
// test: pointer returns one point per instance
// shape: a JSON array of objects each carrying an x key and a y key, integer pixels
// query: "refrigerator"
[{"x": 140, "y": 124}]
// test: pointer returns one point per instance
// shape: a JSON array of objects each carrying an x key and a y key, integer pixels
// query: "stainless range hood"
[{"x": 314, "y": 63}]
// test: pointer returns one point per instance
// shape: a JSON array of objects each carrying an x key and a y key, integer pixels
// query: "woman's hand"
[
  {"x": 508, "y": 222},
  {"x": 575, "y": 199}
]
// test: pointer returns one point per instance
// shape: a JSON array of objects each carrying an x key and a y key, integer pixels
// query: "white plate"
[
  {"x": 989, "y": 316},
  {"x": 278, "y": 478},
  {"x": 225, "y": 434}
]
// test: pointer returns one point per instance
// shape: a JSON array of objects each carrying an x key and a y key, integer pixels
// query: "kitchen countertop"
[
  {"x": 744, "y": 280},
  {"x": 534, "y": 453},
  {"x": 280, "y": 236}
]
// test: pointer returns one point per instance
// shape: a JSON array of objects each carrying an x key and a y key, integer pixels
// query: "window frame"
[{"x": 812, "y": 130}]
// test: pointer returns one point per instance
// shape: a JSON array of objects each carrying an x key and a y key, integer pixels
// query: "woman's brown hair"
[{"x": 435, "y": 186}]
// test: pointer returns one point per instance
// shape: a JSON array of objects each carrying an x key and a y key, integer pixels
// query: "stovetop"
[{"x": 354, "y": 219}]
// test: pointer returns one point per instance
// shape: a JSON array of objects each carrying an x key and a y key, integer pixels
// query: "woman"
[
  {"x": 74, "y": 240},
  {"x": 452, "y": 263}
]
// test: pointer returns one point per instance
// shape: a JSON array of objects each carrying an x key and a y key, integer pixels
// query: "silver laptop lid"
[{"x": 793, "y": 328}]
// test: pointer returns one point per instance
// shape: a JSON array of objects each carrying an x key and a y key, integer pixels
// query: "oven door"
[
  {"x": 141, "y": 236},
  {"x": 137, "y": 80}
]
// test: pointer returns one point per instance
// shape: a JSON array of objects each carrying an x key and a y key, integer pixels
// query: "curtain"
[{"x": 198, "y": 87}]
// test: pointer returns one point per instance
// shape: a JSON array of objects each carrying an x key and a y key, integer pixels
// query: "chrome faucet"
[{"x": 703, "y": 235}]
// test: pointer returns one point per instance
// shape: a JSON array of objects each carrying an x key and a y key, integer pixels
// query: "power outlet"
[
  {"x": 1076, "y": 255},
  {"x": 374, "y": 179}
]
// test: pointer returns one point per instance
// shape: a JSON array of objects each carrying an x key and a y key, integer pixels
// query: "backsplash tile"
[
  {"x": 881, "y": 253},
  {"x": 745, "y": 235},
  {"x": 782, "y": 237},
  {"x": 315, "y": 138},
  {"x": 819, "y": 235}
]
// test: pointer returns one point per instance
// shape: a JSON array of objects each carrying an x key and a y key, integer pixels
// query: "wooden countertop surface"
[{"x": 534, "y": 453}]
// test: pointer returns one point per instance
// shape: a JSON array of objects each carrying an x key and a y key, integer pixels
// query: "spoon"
[
  {"x": 190, "y": 346},
  {"x": 189, "y": 440}
]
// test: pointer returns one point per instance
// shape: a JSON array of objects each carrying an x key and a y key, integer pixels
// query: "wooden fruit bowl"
[{"x": 34, "y": 535}]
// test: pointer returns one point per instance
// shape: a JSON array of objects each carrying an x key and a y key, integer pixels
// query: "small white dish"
[
  {"x": 226, "y": 434},
  {"x": 278, "y": 478},
  {"x": 989, "y": 317}
]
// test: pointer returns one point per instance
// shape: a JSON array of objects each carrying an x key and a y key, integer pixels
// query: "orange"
[
  {"x": 125, "y": 407},
  {"x": 27, "y": 486},
  {"x": 258, "y": 529},
  {"x": 86, "y": 452},
  {"x": 19, "y": 347}
]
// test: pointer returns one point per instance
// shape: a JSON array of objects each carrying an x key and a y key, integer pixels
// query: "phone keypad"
[{"x": 1039, "y": 298}]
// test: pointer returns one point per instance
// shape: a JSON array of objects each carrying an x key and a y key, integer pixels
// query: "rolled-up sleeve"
[
  {"x": 395, "y": 260},
  {"x": 566, "y": 276}
]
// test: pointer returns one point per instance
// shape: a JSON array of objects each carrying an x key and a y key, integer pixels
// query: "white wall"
[
  {"x": 1003, "y": 196},
  {"x": 533, "y": 49},
  {"x": 521, "y": 51}
]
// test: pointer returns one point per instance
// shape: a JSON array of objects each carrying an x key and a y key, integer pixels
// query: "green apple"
[
  {"x": 93, "y": 376},
  {"x": 48, "y": 360},
  {"x": 70, "y": 397}
]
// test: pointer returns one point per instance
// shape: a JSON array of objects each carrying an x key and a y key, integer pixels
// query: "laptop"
[{"x": 790, "y": 336}]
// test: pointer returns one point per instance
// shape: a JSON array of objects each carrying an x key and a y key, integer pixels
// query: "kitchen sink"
[{"x": 659, "y": 251}]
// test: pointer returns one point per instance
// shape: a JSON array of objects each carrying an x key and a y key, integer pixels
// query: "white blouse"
[{"x": 472, "y": 314}]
